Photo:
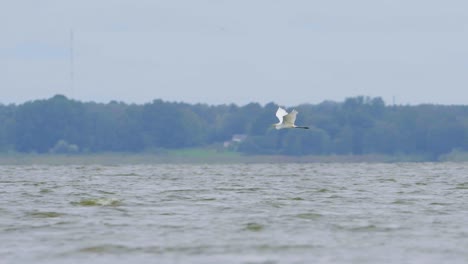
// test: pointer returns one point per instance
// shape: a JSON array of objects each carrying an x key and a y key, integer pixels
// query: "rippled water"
[{"x": 246, "y": 213}]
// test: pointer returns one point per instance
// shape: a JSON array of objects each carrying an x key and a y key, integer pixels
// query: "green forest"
[{"x": 356, "y": 126}]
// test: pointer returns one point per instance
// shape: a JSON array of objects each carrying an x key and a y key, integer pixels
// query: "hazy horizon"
[
  {"x": 149, "y": 101},
  {"x": 222, "y": 52}
]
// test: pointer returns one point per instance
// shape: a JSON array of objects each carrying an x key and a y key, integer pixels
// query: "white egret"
[{"x": 287, "y": 120}]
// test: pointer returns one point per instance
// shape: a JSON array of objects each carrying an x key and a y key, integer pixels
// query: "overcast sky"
[{"x": 237, "y": 51}]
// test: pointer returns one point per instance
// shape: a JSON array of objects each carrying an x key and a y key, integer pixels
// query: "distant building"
[{"x": 236, "y": 139}]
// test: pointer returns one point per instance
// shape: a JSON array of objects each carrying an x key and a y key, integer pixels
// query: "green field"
[{"x": 203, "y": 155}]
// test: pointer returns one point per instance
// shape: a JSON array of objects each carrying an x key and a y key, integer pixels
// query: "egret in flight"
[{"x": 287, "y": 120}]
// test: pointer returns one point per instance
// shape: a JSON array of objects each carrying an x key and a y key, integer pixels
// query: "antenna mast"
[{"x": 72, "y": 70}]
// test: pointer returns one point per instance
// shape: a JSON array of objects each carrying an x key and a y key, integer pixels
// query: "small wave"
[
  {"x": 462, "y": 186},
  {"x": 207, "y": 199},
  {"x": 369, "y": 227},
  {"x": 105, "y": 192},
  {"x": 119, "y": 249},
  {"x": 45, "y": 214},
  {"x": 45, "y": 190},
  {"x": 125, "y": 174},
  {"x": 400, "y": 201},
  {"x": 388, "y": 180},
  {"x": 268, "y": 247},
  {"x": 297, "y": 199},
  {"x": 98, "y": 202},
  {"x": 309, "y": 216},
  {"x": 240, "y": 190},
  {"x": 439, "y": 203},
  {"x": 254, "y": 227},
  {"x": 105, "y": 249},
  {"x": 183, "y": 190}
]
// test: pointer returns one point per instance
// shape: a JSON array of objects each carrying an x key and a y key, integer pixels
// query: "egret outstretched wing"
[
  {"x": 290, "y": 118},
  {"x": 280, "y": 113}
]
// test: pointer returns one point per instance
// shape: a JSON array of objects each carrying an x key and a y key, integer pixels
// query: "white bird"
[{"x": 287, "y": 120}]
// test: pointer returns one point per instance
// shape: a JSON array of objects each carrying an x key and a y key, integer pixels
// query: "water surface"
[{"x": 239, "y": 213}]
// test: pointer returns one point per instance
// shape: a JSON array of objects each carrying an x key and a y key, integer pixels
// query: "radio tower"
[{"x": 72, "y": 70}]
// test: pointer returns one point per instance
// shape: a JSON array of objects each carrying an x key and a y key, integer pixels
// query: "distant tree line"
[{"x": 359, "y": 125}]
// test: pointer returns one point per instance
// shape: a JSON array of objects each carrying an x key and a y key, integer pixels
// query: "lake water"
[{"x": 245, "y": 213}]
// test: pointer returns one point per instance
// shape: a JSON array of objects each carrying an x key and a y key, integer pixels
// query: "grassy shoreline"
[{"x": 207, "y": 156}]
